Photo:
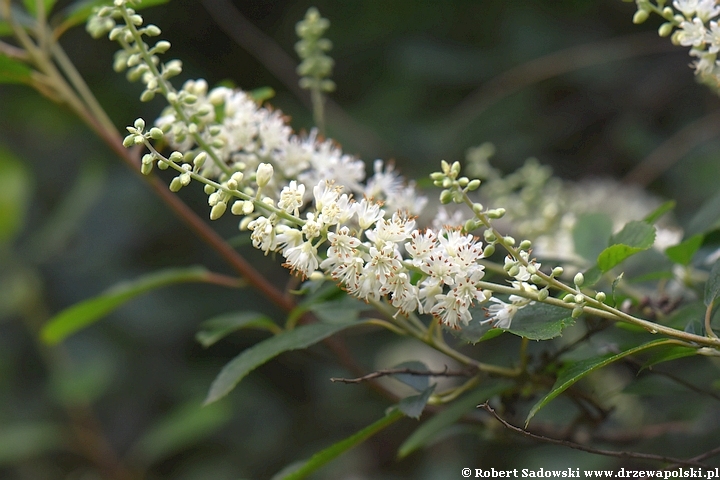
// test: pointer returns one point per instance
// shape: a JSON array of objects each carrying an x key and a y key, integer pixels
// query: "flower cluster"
[
  {"x": 692, "y": 23},
  {"x": 302, "y": 197}
]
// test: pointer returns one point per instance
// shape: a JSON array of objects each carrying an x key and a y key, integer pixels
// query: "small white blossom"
[{"x": 692, "y": 34}]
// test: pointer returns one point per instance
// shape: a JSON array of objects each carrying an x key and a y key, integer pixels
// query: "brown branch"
[
  {"x": 596, "y": 451},
  {"x": 405, "y": 371}
]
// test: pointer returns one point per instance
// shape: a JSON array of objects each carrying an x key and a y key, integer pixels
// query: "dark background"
[{"x": 573, "y": 83}]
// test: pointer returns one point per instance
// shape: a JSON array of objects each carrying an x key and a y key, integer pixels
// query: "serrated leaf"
[
  {"x": 578, "y": 370},
  {"x": 591, "y": 234},
  {"x": 707, "y": 217},
  {"x": 541, "y": 321},
  {"x": 434, "y": 426},
  {"x": 633, "y": 238},
  {"x": 213, "y": 330},
  {"x": 712, "y": 286},
  {"x": 414, "y": 405},
  {"x": 89, "y": 311},
  {"x": 259, "y": 354},
  {"x": 656, "y": 214},
  {"x": 14, "y": 71},
  {"x": 299, "y": 471},
  {"x": 418, "y": 382},
  {"x": 683, "y": 252},
  {"x": 22, "y": 442},
  {"x": 15, "y": 190},
  {"x": 184, "y": 427},
  {"x": 31, "y": 6},
  {"x": 667, "y": 353}
]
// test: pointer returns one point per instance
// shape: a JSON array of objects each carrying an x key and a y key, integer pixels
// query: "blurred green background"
[{"x": 571, "y": 82}]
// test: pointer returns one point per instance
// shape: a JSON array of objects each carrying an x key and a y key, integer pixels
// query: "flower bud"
[
  {"x": 543, "y": 294},
  {"x": 665, "y": 29},
  {"x": 577, "y": 311},
  {"x": 218, "y": 210},
  {"x": 600, "y": 297},
  {"x": 264, "y": 174},
  {"x": 175, "y": 184},
  {"x": 525, "y": 245},
  {"x": 579, "y": 279},
  {"x": 509, "y": 241},
  {"x": 237, "y": 207},
  {"x": 557, "y": 271},
  {"x": 640, "y": 16},
  {"x": 489, "y": 250},
  {"x": 473, "y": 185}
]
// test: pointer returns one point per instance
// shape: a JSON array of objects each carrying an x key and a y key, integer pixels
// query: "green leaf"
[
  {"x": 656, "y": 214},
  {"x": 592, "y": 276},
  {"x": 683, "y": 252},
  {"x": 667, "y": 353},
  {"x": 577, "y": 370},
  {"x": 633, "y": 238},
  {"x": 591, "y": 234},
  {"x": 433, "y": 427},
  {"x": 344, "y": 310},
  {"x": 414, "y": 405},
  {"x": 184, "y": 427},
  {"x": 707, "y": 218},
  {"x": 31, "y": 6},
  {"x": 217, "y": 328},
  {"x": 476, "y": 331},
  {"x": 321, "y": 458},
  {"x": 541, "y": 321},
  {"x": 712, "y": 287},
  {"x": 15, "y": 190},
  {"x": 418, "y": 382},
  {"x": 19, "y": 443},
  {"x": 253, "y": 357},
  {"x": 89, "y": 311}
]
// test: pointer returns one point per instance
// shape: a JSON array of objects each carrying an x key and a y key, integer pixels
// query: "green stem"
[{"x": 166, "y": 88}]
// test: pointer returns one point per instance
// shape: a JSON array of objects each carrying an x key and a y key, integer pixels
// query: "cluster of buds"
[{"x": 308, "y": 201}]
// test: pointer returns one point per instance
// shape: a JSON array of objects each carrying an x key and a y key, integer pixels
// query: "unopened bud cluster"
[{"x": 308, "y": 201}]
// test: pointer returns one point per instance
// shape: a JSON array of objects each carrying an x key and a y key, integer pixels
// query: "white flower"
[
  {"x": 368, "y": 212},
  {"x": 707, "y": 9},
  {"x": 263, "y": 234},
  {"x": 291, "y": 197},
  {"x": 687, "y": 7},
  {"x": 501, "y": 315},
  {"x": 713, "y": 38},
  {"x": 421, "y": 246},
  {"x": 303, "y": 258},
  {"x": 395, "y": 230},
  {"x": 692, "y": 33},
  {"x": 404, "y": 295},
  {"x": 343, "y": 248}
]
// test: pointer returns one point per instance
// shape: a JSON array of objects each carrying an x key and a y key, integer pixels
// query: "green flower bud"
[
  {"x": 147, "y": 95},
  {"x": 640, "y": 16},
  {"x": 146, "y": 168},
  {"x": 218, "y": 210},
  {"x": 557, "y": 271},
  {"x": 446, "y": 197},
  {"x": 237, "y": 207},
  {"x": 129, "y": 141},
  {"x": 152, "y": 30},
  {"x": 175, "y": 184},
  {"x": 665, "y": 29},
  {"x": 600, "y": 297},
  {"x": 156, "y": 133},
  {"x": 509, "y": 241},
  {"x": 473, "y": 185},
  {"x": 579, "y": 279},
  {"x": 489, "y": 250},
  {"x": 577, "y": 311},
  {"x": 543, "y": 294},
  {"x": 525, "y": 245},
  {"x": 209, "y": 189}
]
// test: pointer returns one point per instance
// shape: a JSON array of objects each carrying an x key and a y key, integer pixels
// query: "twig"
[
  {"x": 596, "y": 451},
  {"x": 405, "y": 371}
]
